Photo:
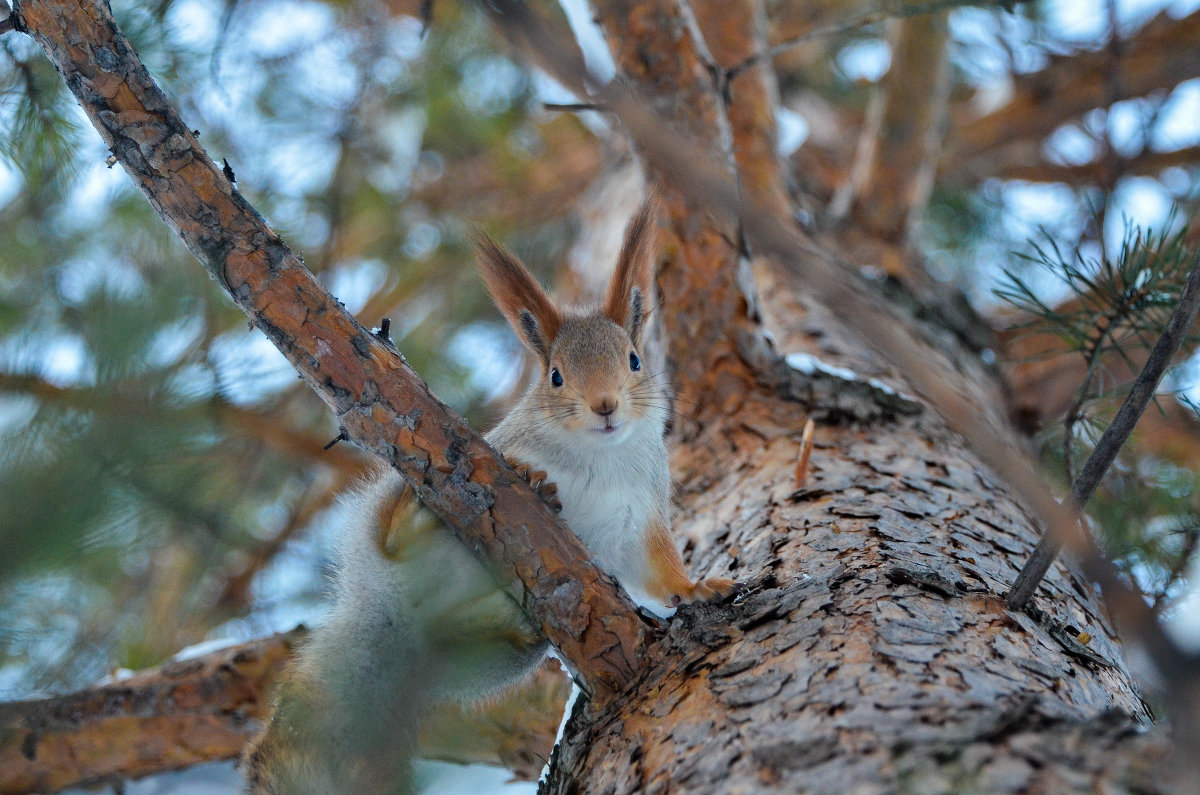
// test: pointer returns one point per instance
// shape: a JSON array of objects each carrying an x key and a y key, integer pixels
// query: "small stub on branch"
[{"x": 806, "y": 446}]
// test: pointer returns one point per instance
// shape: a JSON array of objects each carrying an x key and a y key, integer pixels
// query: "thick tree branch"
[
  {"x": 170, "y": 717},
  {"x": 810, "y": 268},
  {"x": 379, "y": 401},
  {"x": 1114, "y": 437},
  {"x": 658, "y": 44}
]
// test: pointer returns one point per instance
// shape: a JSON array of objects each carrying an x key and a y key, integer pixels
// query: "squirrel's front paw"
[
  {"x": 537, "y": 479},
  {"x": 715, "y": 587}
]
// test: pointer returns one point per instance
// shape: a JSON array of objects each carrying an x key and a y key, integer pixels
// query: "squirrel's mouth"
[{"x": 608, "y": 427}]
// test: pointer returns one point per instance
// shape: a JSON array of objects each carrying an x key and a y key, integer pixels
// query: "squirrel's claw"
[
  {"x": 549, "y": 494},
  {"x": 536, "y": 478}
]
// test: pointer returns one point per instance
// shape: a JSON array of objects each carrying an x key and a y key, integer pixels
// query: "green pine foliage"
[{"x": 1148, "y": 510}]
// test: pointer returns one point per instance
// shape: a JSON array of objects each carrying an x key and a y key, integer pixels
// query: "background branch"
[
  {"x": 206, "y": 708},
  {"x": 179, "y": 714}
]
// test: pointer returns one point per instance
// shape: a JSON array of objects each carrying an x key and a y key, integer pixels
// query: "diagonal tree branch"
[
  {"x": 658, "y": 44},
  {"x": 1115, "y": 435},
  {"x": 379, "y": 401}
]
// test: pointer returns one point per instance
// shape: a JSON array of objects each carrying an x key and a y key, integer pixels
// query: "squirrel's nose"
[{"x": 605, "y": 407}]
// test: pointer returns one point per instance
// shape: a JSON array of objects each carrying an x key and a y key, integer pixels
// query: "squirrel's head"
[{"x": 592, "y": 381}]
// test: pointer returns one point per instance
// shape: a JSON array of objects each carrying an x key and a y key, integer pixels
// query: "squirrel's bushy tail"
[{"x": 414, "y": 620}]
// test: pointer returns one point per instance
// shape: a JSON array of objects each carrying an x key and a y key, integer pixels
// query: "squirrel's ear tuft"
[
  {"x": 518, "y": 295},
  {"x": 632, "y": 283}
]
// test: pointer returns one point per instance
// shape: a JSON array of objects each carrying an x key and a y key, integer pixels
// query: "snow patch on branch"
[{"x": 810, "y": 365}]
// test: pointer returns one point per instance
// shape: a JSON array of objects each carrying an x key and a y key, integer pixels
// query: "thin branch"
[
  {"x": 1114, "y": 437},
  {"x": 1191, "y": 539},
  {"x": 859, "y": 20},
  {"x": 377, "y": 398},
  {"x": 572, "y": 107},
  {"x": 1017, "y": 166}
]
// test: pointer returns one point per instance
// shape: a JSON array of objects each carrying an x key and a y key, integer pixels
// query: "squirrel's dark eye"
[
  {"x": 556, "y": 377},
  {"x": 635, "y": 363}
]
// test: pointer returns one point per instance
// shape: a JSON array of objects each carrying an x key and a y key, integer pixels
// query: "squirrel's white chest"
[
  {"x": 609, "y": 497},
  {"x": 604, "y": 509}
]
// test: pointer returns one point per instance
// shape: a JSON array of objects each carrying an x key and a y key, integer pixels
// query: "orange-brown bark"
[
  {"x": 173, "y": 716},
  {"x": 654, "y": 44},
  {"x": 735, "y": 32},
  {"x": 380, "y": 402},
  {"x": 873, "y": 650},
  {"x": 756, "y": 730}
]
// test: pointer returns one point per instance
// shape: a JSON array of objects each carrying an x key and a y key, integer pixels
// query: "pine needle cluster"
[{"x": 1146, "y": 511}]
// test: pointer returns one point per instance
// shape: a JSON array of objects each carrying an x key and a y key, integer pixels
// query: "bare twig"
[
  {"x": 1114, "y": 437},
  {"x": 571, "y": 107}
]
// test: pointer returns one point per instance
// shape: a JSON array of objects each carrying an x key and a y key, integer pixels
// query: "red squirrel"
[{"x": 416, "y": 619}]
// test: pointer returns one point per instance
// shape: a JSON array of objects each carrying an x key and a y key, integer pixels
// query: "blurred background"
[{"x": 162, "y": 478}]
